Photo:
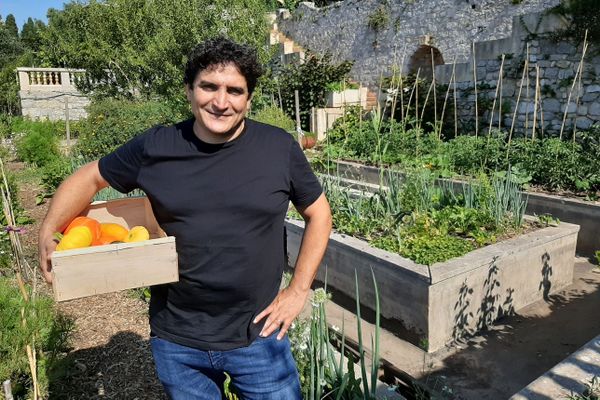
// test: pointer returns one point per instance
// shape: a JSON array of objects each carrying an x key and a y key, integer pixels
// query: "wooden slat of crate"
[{"x": 104, "y": 269}]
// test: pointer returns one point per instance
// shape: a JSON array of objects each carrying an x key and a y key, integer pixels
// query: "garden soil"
[{"x": 111, "y": 358}]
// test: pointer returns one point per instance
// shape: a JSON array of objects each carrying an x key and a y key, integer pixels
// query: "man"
[{"x": 220, "y": 184}]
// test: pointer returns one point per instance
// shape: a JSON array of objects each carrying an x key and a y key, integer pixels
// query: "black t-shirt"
[{"x": 225, "y": 204}]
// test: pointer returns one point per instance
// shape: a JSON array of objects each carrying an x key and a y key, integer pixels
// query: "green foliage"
[
  {"x": 12, "y": 55},
  {"x": 426, "y": 220},
  {"x": 38, "y": 142},
  {"x": 310, "y": 79},
  {"x": 597, "y": 255},
  {"x": 379, "y": 19},
  {"x": 138, "y": 46},
  {"x": 591, "y": 391},
  {"x": 31, "y": 34},
  {"x": 275, "y": 116},
  {"x": 111, "y": 123},
  {"x": 583, "y": 15},
  {"x": 550, "y": 163},
  {"x": 341, "y": 86},
  {"x": 325, "y": 372},
  {"x": 54, "y": 173},
  {"x": 46, "y": 328},
  {"x": 10, "y": 24}
]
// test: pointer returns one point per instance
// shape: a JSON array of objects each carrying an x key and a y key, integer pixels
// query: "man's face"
[{"x": 219, "y": 98}]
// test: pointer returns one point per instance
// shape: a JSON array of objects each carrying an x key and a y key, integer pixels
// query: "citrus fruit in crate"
[{"x": 137, "y": 234}]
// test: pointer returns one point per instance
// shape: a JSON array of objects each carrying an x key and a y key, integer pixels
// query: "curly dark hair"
[{"x": 221, "y": 51}]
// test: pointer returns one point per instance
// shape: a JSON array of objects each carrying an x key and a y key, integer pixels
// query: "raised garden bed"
[
  {"x": 445, "y": 301},
  {"x": 572, "y": 210}
]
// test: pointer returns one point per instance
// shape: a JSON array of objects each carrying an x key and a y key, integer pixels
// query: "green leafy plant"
[
  {"x": 111, "y": 123},
  {"x": 583, "y": 16},
  {"x": 37, "y": 142},
  {"x": 310, "y": 79},
  {"x": 138, "y": 48},
  {"x": 591, "y": 391},
  {"x": 379, "y": 19},
  {"x": 327, "y": 371},
  {"x": 275, "y": 116},
  {"x": 44, "y": 325},
  {"x": 597, "y": 255}
]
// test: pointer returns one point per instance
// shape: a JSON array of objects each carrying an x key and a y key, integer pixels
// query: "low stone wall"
[
  {"x": 459, "y": 297},
  {"x": 51, "y": 93},
  {"x": 53, "y": 105}
]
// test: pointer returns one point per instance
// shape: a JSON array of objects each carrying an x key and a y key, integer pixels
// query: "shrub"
[
  {"x": 310, "y": 79},
  {"x": 44, "y": 325},
  {"x": 54, "y": 172},
  {"x": 275, "y": 116},
  {"x": 37, "y": 141},
  {"x": 111, "y": 123}
]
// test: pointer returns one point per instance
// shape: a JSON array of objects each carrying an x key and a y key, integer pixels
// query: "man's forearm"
[
  {"x": 314, "y": 243},
  {"x": 71, "y": 197}
]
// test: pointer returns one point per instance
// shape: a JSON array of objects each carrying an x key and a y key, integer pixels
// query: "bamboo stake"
[
  {"x": 21, "y": 265},
  {"x": 495, "y": 96},
  {"x": 512, "y": 125},
  {"x": 398, "y": 89},
  {"x": 500, "y": 101},
  {"x": 579, "y": 87},
  {"x": 435, "y": 119},
  {"x": 527, "y": 92},
  {"x": 475, "y": 87},
  {"x": 535, "y": 101},
  {"x": 455, "y": 100},
  {"x": 446, "y": 96},
  {"x": 426, "y": 100},
  {"x": 7, "y": 390},
  {"x": 417, "y": 103},
  {"x": 541, "y": 111},
  {"x": 585, "y": 46},
  {"x": 412, "y": 91}
]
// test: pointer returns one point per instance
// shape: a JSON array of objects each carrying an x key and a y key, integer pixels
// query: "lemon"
[{"x": 137, "y": 234}]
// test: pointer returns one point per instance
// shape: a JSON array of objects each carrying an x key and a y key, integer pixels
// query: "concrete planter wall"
[
  {"x": 575, "y": 211},
  {"x": 454, "y": 298}
]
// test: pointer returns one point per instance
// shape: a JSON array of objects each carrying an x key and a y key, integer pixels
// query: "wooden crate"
[{"x": 110, "y": 268}]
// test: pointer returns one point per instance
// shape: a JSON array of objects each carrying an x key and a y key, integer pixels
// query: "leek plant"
[{"x": 332, "y": 374}]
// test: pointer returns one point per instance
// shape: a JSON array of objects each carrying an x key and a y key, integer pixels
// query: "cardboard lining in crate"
[{"x": 103, "y": 269}]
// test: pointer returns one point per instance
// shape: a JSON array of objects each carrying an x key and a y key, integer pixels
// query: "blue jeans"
[{"x": 264, "y": 370}]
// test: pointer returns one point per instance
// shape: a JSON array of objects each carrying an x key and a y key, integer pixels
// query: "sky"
[{"x": 23, "y": 9}]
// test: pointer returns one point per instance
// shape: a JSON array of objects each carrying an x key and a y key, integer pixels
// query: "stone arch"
[{"x": 421, "y": 58}]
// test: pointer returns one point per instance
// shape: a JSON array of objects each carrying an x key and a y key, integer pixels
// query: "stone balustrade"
[{"x": 51, "y": 93}]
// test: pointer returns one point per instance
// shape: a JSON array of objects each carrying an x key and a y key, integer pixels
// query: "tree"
[
  {"x": 139, "y": 46},
  {"x": 11, "y": 25},
  {"x": 310, "y": 79},
  {"x": 10, "y": 46},
  {"x": 31, "y": 34}
]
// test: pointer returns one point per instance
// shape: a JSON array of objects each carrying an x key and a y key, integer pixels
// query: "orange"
[{"x": 112, "y": 230}]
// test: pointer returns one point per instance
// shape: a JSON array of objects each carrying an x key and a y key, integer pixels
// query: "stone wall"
[
  {"x": 47, "y": 93},
  {"x": 552, "y": 62},
  {"x": 449, "y": 33},
  {"x": 378, "y": 34}
]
